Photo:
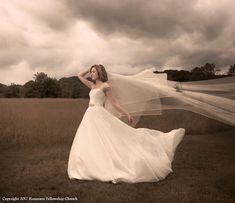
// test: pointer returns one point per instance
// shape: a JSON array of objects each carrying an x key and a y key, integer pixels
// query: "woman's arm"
[
  {"x": 116, "y": 105},
  {"x": 83, "y": 79}
]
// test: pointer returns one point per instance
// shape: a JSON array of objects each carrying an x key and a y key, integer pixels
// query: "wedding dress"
[{"x": 107, "y": 149}]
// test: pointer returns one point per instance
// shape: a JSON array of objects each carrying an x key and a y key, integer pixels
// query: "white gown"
[{"x": 107, "y": 149}]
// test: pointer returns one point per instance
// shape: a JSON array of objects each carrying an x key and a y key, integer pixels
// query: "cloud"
[
  {"x": 152, "y": 19},
  {"x": 173, "y": 30},
  {"x": 62, "y": 37}
]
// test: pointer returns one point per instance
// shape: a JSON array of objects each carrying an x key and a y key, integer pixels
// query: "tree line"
[
  {"x": 206, "y": 72},
  {"x": 43, "y": 86}
]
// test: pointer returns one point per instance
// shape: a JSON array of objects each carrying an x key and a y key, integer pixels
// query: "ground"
[{"x": 36, "y": 136}]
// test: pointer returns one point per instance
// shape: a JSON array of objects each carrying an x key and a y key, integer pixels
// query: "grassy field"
[{"x": 36, "y": 136}]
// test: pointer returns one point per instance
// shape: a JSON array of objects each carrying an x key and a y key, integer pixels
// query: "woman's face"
[{"x": 94, "y": 74}]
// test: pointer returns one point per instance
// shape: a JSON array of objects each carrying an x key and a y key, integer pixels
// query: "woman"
[{"x": 107, "y": 149}]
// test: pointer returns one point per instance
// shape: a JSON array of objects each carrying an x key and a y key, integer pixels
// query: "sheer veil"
[{"x": 148, "y": 93}]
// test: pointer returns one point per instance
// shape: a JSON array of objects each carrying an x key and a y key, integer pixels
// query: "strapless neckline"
[{"x": 97, "y": 89}]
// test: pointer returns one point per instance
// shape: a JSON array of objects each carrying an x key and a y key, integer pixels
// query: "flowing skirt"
[{"x": 107, "y": 149}]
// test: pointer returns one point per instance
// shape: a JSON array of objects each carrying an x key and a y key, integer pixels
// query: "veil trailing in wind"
[{"x": 148, "y": 93}]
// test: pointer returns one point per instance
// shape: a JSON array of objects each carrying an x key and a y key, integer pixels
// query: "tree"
[
  {"x": 177, "y": 75},
  {"x": 39, "y": 79},
  {"x": 73, "y": 88},
  {"x": 197, "y": 71},
  {"x": 208, "y": 69},
  {"x": 42, "y": 86},
  {"x": 30, "y": 92},
  {"x": 12, "y": 91},
  {"x": 204, "y": 72},
  {"x": 3, "y": 89},
  {"x": 51, "y": 87}
]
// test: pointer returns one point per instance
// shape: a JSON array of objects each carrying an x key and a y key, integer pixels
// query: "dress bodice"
[{"x": 97, "y": 96}]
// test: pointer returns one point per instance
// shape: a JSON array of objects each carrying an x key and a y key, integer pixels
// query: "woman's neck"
[{"x": 97, "y": 82}]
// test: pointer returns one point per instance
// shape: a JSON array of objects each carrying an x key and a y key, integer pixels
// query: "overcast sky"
[{"x": 61, "y": 37}]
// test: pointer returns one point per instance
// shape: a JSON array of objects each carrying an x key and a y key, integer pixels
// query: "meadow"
[{"x": 36, "y": 136}]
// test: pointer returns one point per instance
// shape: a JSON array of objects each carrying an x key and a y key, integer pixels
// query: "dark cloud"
[
  {"x": 134, "y": 18},
  {"x": 129, "y": 34},
  {"x": 149, "y": 19}
]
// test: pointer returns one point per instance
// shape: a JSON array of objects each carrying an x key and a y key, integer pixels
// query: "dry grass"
[{"x": 36, "y": 136}]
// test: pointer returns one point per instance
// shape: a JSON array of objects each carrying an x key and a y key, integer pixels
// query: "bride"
[{"x": 107, "y": 149}]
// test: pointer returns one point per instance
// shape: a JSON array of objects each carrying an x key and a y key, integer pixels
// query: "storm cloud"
[{"x": 63, "y": 37}]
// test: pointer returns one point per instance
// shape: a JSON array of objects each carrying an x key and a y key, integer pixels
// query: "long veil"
[{"x": 148, "y": 93}]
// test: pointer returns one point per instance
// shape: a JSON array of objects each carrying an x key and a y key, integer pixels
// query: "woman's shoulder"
[{"x": 105, "y": 84}]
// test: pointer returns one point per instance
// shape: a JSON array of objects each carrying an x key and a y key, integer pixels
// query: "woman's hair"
[{"x": 101, "y": 72}]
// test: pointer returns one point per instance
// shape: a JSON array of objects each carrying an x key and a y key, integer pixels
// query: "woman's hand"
[
  {"x": 130, "y": 119},
  {"x": 83, "y": 72},
  {"x": 117, "y": 106}
]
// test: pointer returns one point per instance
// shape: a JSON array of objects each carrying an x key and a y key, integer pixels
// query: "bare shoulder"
[{"x": 106, "y": 87}]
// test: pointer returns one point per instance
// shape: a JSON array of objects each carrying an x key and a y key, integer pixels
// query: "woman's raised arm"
[{"x": 83, "y": 79}]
